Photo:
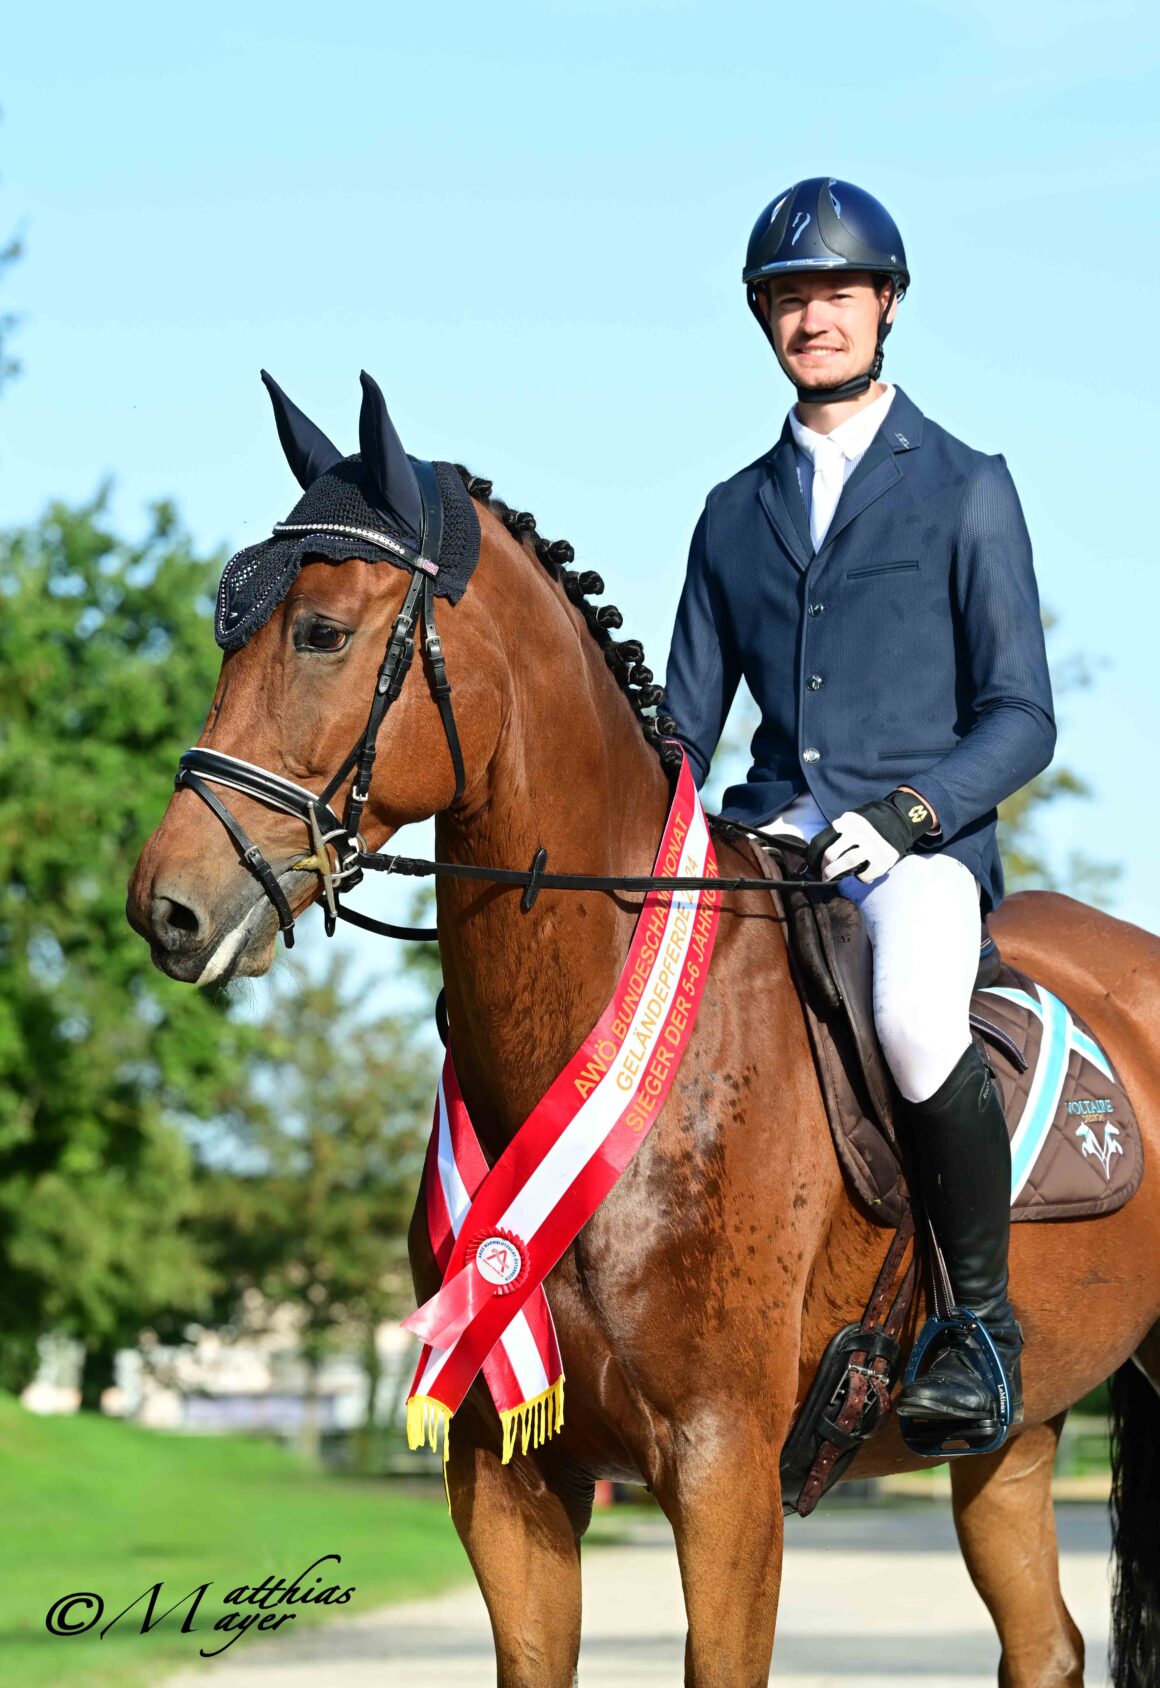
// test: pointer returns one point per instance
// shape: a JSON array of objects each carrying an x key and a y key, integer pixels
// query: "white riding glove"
[
  {"x": 858, "y": 843},
  {"x": 868, "y": 841}
]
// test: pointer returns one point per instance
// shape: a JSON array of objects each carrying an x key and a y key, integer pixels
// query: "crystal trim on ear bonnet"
[{"x": 346, "y": 511}]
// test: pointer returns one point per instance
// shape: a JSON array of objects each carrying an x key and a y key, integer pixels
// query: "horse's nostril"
[
  {"x": 173, "y": 921},
  {"x": 183, "y": 918}
]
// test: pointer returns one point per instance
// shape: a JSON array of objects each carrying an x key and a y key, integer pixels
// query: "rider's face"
[{"x": 824, "y": 326}]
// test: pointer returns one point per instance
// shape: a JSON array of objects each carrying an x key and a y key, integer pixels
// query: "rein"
[
  {"x": 201, "y": 768},
  {"x": 536, "y": 878}
]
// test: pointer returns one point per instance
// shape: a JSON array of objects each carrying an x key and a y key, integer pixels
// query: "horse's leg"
[
  {"x": 724, "y": 1504},
  {"x": 522, "y": 1535},
  {"x": 1006, "y": 1528}
]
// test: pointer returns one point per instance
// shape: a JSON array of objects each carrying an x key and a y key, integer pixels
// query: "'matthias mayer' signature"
[{"x": 77, "y": 1614}]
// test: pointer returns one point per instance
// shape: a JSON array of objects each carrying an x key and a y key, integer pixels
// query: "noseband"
[{"x": 200, "y": 769}]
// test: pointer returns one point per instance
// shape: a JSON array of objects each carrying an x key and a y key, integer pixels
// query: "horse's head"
[
  {"x": 319, "y": 625},
  {"x": 317, "y": 745}
]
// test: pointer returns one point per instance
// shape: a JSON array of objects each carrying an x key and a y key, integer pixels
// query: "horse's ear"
[
  {"x": 386, "y": 462},
  {"x": 308, "y": 451}
]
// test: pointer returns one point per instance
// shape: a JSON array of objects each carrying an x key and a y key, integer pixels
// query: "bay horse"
[{"x": 693, "y": 1308}]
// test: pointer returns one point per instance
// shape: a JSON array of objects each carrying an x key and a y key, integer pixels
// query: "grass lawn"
[{"x": 91, "y": 1504}]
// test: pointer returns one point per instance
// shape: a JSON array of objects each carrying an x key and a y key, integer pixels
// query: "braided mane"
[{"x": 625, "y": 657}]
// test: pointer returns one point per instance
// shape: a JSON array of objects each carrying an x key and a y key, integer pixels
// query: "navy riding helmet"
[{"x": 825, "y": 224}]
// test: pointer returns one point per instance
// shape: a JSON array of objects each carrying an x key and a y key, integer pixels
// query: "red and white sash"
[{"x": 497, "y": 1234}]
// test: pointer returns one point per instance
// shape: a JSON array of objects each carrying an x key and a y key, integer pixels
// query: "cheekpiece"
[{"x": 335, "y": 519}]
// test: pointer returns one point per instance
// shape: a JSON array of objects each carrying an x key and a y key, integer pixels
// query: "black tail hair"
[{"x": 1135, "y": 1507}]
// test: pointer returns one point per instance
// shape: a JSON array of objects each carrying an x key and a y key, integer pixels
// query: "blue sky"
[{"x": 528, "y": 222}]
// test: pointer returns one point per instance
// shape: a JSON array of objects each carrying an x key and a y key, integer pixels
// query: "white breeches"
[{"x": 922, "y": 918}]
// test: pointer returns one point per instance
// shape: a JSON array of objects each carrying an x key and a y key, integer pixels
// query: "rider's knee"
[{"x": 919, "y": 1056}]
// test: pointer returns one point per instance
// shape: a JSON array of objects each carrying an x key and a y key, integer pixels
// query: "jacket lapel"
[
  {"x": 781, "y": 498},
  {"x": 875, "y": 474},
  {"x": 879, "y": 469}
]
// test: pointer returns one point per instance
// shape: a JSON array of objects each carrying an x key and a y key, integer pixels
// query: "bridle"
[{"x": 200, "y": 769}]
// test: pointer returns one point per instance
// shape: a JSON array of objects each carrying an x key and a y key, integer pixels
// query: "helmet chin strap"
[
  {"x": 847, "y": 390},
  {"x": 857, "y": 384}
]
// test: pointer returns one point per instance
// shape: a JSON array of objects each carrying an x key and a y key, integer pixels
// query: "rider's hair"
[{"x": 625, "y": 657}]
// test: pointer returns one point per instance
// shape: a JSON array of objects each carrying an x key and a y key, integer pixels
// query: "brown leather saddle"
[{"x": 1075, "y": 1144}]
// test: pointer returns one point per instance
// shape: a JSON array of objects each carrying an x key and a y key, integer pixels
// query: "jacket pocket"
[
  {"x": 881, "y": 568},
  {"x": 907, "y": 755}
]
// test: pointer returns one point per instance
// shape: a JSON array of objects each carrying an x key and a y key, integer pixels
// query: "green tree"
[
  {"x": 107, "y": 667},
  {"x": 317, "y": 1168}
]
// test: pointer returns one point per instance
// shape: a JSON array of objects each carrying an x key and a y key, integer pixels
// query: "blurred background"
[{"x": 529, "y": 224}]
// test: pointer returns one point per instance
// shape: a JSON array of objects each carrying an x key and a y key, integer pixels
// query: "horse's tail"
[{"x": 1135, "y": 1509}]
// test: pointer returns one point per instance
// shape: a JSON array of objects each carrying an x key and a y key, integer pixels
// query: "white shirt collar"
[{"x": 853, "y": 435}]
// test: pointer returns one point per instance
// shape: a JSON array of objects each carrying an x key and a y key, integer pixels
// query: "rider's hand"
[{"x": 867, "y": 841}]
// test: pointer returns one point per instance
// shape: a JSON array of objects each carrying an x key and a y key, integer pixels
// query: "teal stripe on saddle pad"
[{"x": 1060, "y": 1037}]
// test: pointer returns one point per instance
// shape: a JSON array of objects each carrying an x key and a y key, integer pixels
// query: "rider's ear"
[
  {"x": 308, "y": 451},
  {"x": 386, "y": 463}
]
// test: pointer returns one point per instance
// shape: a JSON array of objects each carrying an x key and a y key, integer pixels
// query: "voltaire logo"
[{"x": 1101, "y": 1152}]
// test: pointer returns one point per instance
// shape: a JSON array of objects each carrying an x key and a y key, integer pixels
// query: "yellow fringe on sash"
[
  {"x": 425, "y": 1418},
  {"x": 534, "y": 1421},
  {"x": 530, "y": 1424}
]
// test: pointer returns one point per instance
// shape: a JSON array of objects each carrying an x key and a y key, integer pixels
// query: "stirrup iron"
[{"x": 932, "y": 1438}]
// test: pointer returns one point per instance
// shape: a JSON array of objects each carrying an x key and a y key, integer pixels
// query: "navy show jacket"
[{"x": 907, "y": 651}]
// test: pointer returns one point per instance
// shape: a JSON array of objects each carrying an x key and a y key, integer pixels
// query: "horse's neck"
[{"x": 574, "y": 775}]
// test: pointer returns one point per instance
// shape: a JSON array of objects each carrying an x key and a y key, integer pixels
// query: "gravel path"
[{"x": 899, "y": 1612}]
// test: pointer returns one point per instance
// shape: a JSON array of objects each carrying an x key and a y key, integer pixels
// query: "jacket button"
[
  {"x": 811, "y": 755},
  {"x": 814, "y": 609},
  {"x": 814, "y": 682}
]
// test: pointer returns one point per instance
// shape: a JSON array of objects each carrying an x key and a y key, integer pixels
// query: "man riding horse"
[{"x": 870, "y": 578}]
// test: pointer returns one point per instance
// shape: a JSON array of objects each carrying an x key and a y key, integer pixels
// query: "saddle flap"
[{"x": 831, "y": 964}]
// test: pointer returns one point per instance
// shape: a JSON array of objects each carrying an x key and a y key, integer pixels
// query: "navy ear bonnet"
[{"x": 368, "y": 506}]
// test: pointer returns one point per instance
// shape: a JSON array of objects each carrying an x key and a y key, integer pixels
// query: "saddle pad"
[{"x": 1076, "y": 1150}]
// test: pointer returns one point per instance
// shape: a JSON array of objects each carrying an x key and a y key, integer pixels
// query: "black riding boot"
[{"x": 962, "y": 1153}]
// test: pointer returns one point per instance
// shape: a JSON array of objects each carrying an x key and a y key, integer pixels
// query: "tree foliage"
[
  {"x": 118, "y": 1210},
  {"x": 106, "y": 664},
  {"x": 317, "y": 1167}
]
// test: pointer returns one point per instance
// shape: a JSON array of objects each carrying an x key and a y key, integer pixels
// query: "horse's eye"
[{"x": 320, "y": 636}]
